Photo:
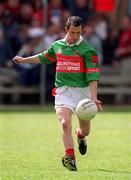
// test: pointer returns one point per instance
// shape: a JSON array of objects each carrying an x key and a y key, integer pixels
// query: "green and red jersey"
[{"x": 76, "y": 65}]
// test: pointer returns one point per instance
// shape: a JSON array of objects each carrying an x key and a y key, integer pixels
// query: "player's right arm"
[
  {"x": 30, "y": 59},
  {"x": 47, "y": 56}
]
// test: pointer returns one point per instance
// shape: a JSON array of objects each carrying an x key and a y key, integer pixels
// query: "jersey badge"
[
  {"x": 59, "y": 51},
  {"x": 76, "y": 53},
  {"x": 94, "y": 59}
]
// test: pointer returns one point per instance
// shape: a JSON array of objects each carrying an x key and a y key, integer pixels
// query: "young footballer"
[{"x": 77, "y": 74}]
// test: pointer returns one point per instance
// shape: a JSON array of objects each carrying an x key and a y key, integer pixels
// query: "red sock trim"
[
  {"x": 70, "y": 152},
  {"x": 78, "y": 133}
]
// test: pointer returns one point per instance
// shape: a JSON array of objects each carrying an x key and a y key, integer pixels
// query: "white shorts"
[{"x": 67, "y": 96}]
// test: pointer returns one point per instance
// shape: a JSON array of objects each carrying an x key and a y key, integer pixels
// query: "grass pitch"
[{"x": 31, "y": 147}]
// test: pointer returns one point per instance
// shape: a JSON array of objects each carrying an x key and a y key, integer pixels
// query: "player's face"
[{"x": 73, "y": 34}]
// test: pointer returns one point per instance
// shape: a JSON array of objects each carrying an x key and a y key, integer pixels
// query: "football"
[{"x": 86, "y": 109}]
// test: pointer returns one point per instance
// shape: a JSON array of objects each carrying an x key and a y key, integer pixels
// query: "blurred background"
[{"x": 28, "y": 27}]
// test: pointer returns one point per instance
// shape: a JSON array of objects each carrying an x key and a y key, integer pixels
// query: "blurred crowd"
[{"x": 25, "y": 29}]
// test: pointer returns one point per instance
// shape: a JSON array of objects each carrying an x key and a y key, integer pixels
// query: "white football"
[{"x": 86, "y": 109}]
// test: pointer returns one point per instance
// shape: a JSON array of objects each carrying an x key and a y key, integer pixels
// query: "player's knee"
[{"x": 66, "y": 125}]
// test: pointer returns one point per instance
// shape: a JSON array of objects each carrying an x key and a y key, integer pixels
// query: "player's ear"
[{"x": 66, "y": 29}]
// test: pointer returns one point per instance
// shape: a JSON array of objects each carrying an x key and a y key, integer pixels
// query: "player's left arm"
[
  {"x": 93, "y": 88},
  {"x": 92, "y": 75}
]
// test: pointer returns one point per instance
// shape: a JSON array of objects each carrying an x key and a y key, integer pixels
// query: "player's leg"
[
  {"x": 84, "y": 127},
  {"x": 64, "y": 115},
  {"x": 82, "y": 132}
]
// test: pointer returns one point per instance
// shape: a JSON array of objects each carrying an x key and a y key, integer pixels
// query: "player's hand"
[
  {"x": 18, "y": 59},
  {"x": 98, "y": 104}
]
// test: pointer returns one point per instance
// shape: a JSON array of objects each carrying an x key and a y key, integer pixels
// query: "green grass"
[{"x": 31, "y": 147}]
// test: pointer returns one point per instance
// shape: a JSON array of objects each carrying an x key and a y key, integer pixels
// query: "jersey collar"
[{"x": 77, "y": 43}]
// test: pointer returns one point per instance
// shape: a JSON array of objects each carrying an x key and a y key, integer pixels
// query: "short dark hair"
[{"x": 74, "y": 21}]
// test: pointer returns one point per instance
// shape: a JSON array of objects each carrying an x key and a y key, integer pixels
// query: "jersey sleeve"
[
  {"x": 48, "y": 56},
  {"x": 92, "y": 66}
]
